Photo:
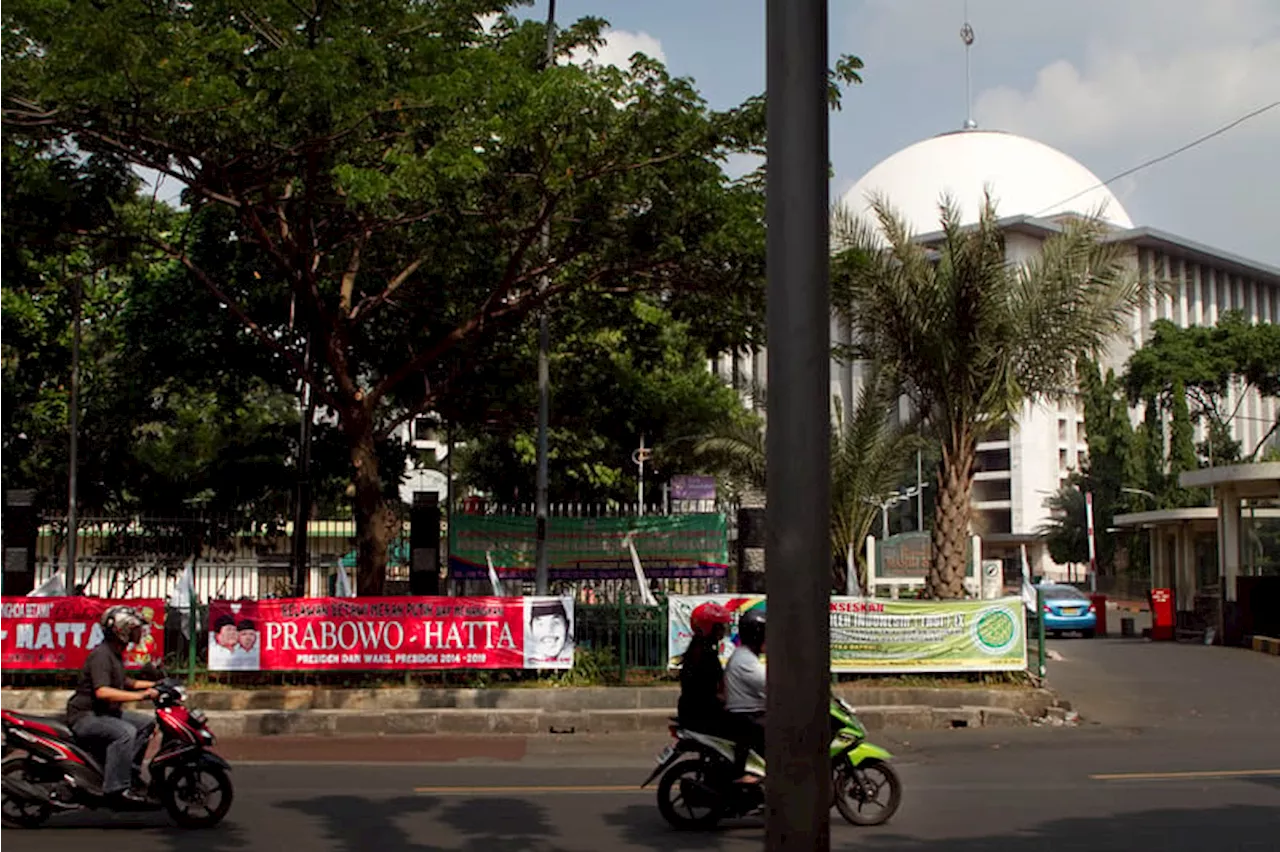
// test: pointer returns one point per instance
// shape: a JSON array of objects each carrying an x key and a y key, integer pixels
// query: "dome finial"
[{"x": 966, "y": 35}]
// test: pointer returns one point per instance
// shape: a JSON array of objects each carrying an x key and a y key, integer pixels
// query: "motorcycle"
[
  {"x": 46, "y": 770},
  {"x": 699, "y": 786}
]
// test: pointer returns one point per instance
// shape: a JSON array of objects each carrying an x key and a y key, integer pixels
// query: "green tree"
[
  {"x": 624, "y": 369},
  {"x": 974, "y": 337},
  {"x": 1066, "y": 533},
  {"x": 868, "y": 454},
  {"x": 403, "y": 183},
  {"x": 1195, "y": 369}
]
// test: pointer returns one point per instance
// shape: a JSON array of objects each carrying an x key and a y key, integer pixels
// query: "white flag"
[
  {"x": 182, "y": 593},
  {"x": 1028, "y": 590},
  {"x": 493, "y": 575},
  {"x": 343, "y": 588},
  {"x": 50, "y": 588}
]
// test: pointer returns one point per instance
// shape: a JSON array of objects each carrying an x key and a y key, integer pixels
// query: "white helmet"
[{"x": 121, "y": 622}]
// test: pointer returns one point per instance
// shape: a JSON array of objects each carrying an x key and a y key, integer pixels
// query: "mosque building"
[{"x": 1036, "y": 187}]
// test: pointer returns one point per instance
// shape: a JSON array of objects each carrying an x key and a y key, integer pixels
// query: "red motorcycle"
[{"x": 46, "y": 770}]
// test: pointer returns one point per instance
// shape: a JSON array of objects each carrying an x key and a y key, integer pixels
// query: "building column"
[
  {"x": 1187, "y": 564},
  {"x": 1228, "y": 541}
]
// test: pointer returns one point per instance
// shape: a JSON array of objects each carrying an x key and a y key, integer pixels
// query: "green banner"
[
  {"x": 876, "y": 635},
  {"x": 668, "y": 545}
]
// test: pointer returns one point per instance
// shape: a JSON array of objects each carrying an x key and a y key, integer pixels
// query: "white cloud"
[
  {"x": 1124, "y": 95},
  {"x": 618, "y": 48}
]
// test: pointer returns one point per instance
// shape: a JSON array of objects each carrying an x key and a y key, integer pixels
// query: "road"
[{"x": 1137, "y": 775}]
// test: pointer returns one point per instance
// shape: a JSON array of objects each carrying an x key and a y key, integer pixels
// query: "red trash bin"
[
  {"x": 1162, "y": 618},
  {"x": 1100, "y": 607}
]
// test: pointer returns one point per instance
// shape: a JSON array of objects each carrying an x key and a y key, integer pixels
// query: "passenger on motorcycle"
[
  {"x": 744, "y": 680},
  {"x": 701, "y": 706},
  {"x": 94, "y": 711}
]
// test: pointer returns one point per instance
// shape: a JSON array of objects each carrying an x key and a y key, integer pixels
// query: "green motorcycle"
[{"x": 699, "y": 787}]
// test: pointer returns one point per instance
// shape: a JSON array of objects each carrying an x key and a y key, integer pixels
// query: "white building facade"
[{"x": 1034, "y": 187}]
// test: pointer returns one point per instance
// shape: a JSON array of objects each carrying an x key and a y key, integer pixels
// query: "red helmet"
[{"x": 706, "y": 616}]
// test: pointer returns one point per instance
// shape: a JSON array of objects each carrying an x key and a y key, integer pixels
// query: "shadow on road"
[
  {"x": 355, "y": 823},
  {"x": 227, "y": 837},
  {"x": 643, "y": 827},
  {"x": 1237, "y": 827},
  {"x": 500, "y": 825}
]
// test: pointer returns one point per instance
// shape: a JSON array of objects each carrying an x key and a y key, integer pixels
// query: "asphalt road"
[{"x": 1141, "y": 773}]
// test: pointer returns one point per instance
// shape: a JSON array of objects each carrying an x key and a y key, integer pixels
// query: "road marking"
[
  {"x": 581, "y": 788},
  {"x": 1174, "y": 776}
]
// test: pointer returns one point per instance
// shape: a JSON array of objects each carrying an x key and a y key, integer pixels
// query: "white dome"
[{"x": 1027, "y": 178}]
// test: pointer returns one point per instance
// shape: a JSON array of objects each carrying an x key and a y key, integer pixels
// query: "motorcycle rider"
[
  {"x": 744, "y": 680},
  {"x": 94, "y": 711},
  {"x": 701, "y": 706}
]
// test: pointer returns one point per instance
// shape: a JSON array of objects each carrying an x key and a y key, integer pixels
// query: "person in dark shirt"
[
  {"x": 701, "y": 706},
  {"x": 94, "y": 711}
]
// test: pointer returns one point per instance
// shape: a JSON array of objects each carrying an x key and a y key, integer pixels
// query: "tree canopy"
[{"x": 391, "y": 181}]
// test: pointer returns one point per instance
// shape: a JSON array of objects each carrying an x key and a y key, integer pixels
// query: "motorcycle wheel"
[
  {"x": 672, "y": 803},
  {"x": 868, "y": 794},
  {"x": 187, "y": 791},
  {"x": 22, "y": 813}
]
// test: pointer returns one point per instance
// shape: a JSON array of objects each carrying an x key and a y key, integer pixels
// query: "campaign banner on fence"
[
  {"x": 59, "y": 633},
  {"x": 391, "y": 633},
  {"x": 888, "y": 636}
]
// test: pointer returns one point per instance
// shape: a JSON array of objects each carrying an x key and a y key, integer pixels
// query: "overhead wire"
[{"x": 1175, "y": 152}]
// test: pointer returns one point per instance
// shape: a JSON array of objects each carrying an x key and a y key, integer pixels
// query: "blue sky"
[{"x": 1113, "y": 84}]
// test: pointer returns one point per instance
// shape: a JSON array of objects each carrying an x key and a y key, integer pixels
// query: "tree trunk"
[
  {"x": 375, "y": 520},
  {"x": 951, "y": 520}
]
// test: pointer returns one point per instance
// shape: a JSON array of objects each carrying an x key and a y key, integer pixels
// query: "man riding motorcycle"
[
  {"x": 744, "y": 680},
  {"x": 94, "y": 711},
  {"x": 701, "y": 706}
]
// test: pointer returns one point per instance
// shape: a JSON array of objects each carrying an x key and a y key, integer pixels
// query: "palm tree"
[
  {"x": 1066, "y": 532},
  {"x": 973, "y": 336},
  {"x": 868, "y": 455}
]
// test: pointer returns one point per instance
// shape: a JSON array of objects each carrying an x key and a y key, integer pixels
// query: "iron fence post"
[
  {"x": 622, "y": 641},
  {"x": 1040, "y": 631}
]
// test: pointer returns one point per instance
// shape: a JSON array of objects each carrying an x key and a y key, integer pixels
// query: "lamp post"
[{"x": 798, "y": 454}]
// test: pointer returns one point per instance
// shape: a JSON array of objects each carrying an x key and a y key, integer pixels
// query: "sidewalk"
[{"x": 594, "y": 710}]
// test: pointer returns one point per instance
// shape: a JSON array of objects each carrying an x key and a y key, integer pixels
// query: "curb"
[
  {"x": 1266, "y": 645},
  {"x": 576, "y": 700},
  {"x": 265, "y": 723}
]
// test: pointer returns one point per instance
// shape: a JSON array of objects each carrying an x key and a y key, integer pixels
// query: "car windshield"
[{"x": 1062, "y": 593}]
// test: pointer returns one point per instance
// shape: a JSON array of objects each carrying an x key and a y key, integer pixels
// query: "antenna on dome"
[{"x": 966, "y": 35}]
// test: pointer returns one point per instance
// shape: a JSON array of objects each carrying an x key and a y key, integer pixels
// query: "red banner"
[
  {"x": 58, "y": 633},
  {"x": 391, "y": 633}
]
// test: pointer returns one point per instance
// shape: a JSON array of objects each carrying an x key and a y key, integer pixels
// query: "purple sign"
[{"x": 693, "y": 488}]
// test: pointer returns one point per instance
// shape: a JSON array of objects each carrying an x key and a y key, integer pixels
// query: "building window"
[
  {"x": 1080, "y": 457},
  {"x": 1081, "y": 436},
  {"x": 1062, "y": 459},
  {"x": 1062, "y": 430}
]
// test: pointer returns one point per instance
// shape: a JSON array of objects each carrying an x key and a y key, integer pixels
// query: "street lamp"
[
  {"x": 1141, "y": 492},
  {"x": 892, "y": 499}
]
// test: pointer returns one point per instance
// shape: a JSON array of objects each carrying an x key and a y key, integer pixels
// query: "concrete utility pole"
[
  {"x": 797, "y": 549},
  {"x": 541, "y": 577}
]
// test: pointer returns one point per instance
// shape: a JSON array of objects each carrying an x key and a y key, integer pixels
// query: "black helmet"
[{"x": 751, "y": 627}]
